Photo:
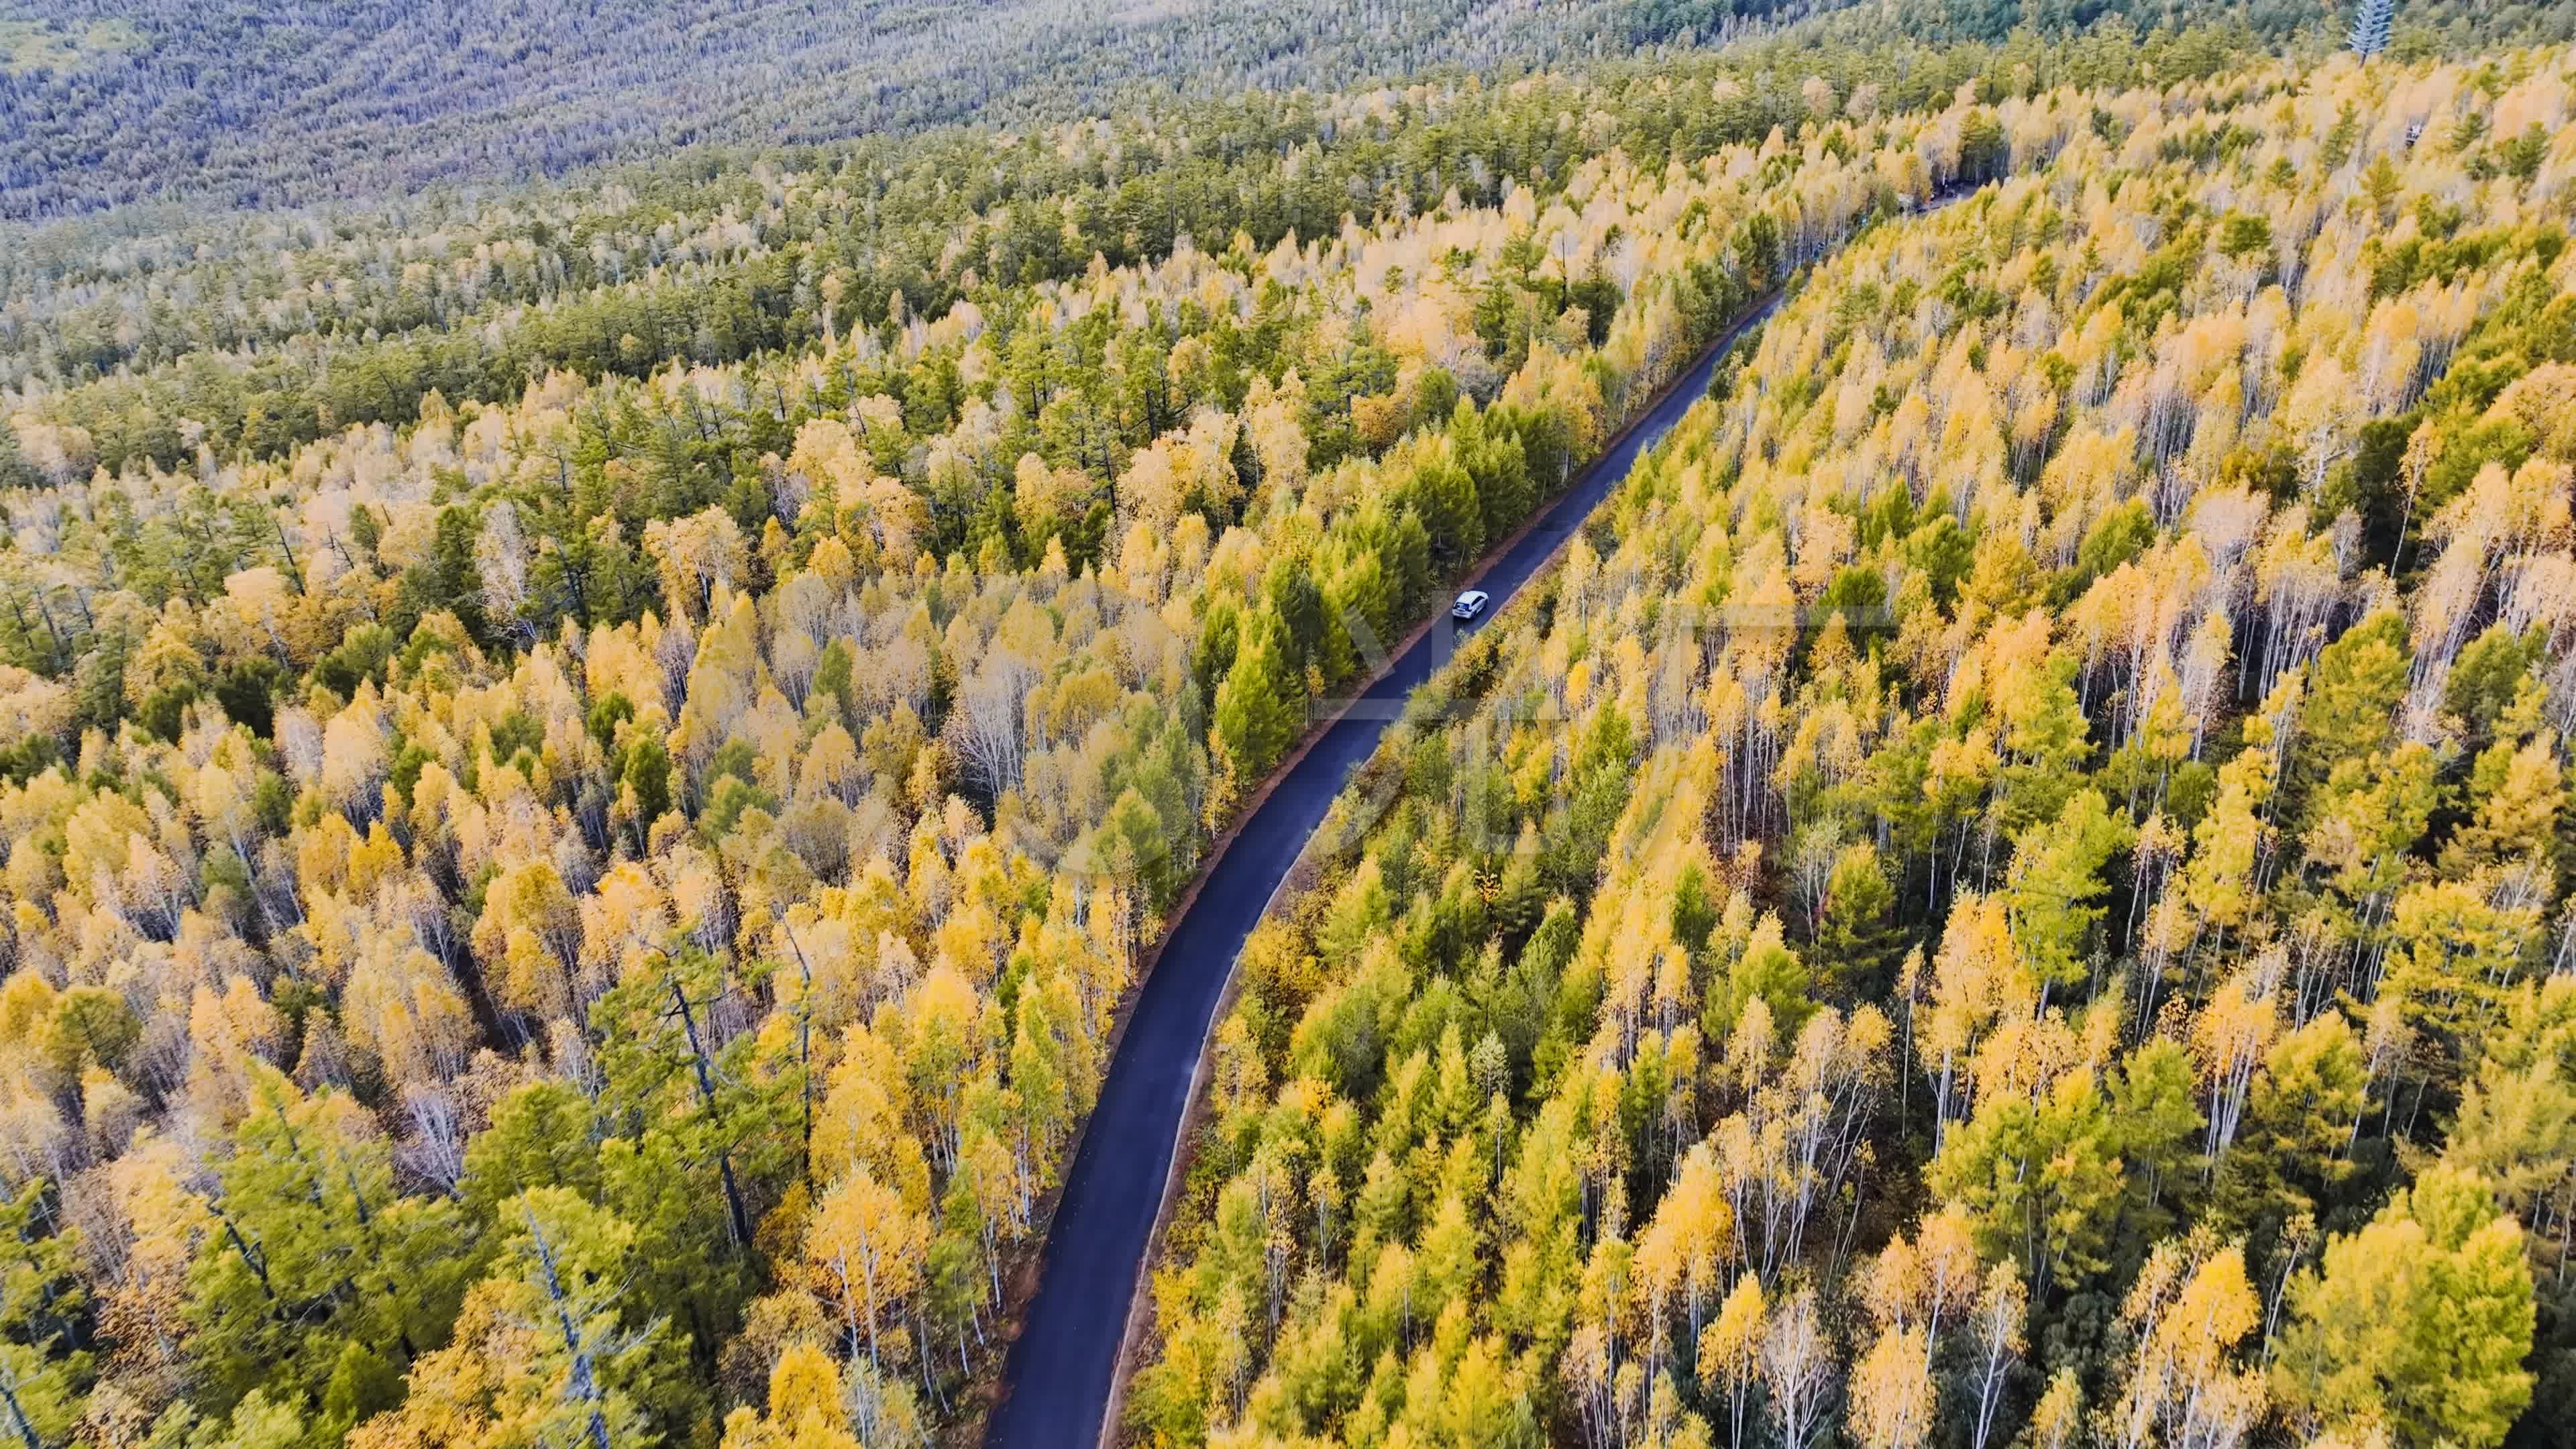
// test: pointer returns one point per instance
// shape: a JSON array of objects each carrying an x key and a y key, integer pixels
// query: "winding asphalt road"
[
  {"x": 1061, "y": 1374},
  {"x": 1058, "y": 1380}
]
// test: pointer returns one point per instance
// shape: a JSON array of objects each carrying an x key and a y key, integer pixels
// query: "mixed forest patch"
[{"x": 585, "y": 766}]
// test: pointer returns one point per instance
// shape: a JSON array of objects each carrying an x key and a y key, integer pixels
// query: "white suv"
[{"x": 1469, "y": 605}]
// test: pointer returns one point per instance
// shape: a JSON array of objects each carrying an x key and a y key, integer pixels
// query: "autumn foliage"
[{"x": 2015, "y": 892}]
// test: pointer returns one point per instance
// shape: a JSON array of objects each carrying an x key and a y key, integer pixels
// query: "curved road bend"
[{"x": 1056, "y": 1383}]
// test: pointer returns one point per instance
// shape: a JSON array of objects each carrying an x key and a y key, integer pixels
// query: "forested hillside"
[
  {"x": 233, "y": 104},
  {"x": 2014, "y": 889},
  {"x": 229, "y": 103},
  {"x": 268, "y": 330},
  {"x": 261, "y": 104}
]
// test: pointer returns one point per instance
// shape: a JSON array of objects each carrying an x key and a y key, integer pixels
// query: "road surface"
[{"x": 1057, "y": 1382}]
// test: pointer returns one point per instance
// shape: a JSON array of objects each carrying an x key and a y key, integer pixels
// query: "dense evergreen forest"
[{"x": 607, "y": 676}]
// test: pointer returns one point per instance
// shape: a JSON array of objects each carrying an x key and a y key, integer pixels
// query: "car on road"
[{"x": 1469, "y": 605}]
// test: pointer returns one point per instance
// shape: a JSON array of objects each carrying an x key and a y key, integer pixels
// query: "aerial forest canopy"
[
  {"x": 586, "y": 765},
  {"x": 2101, "y": 975}
]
